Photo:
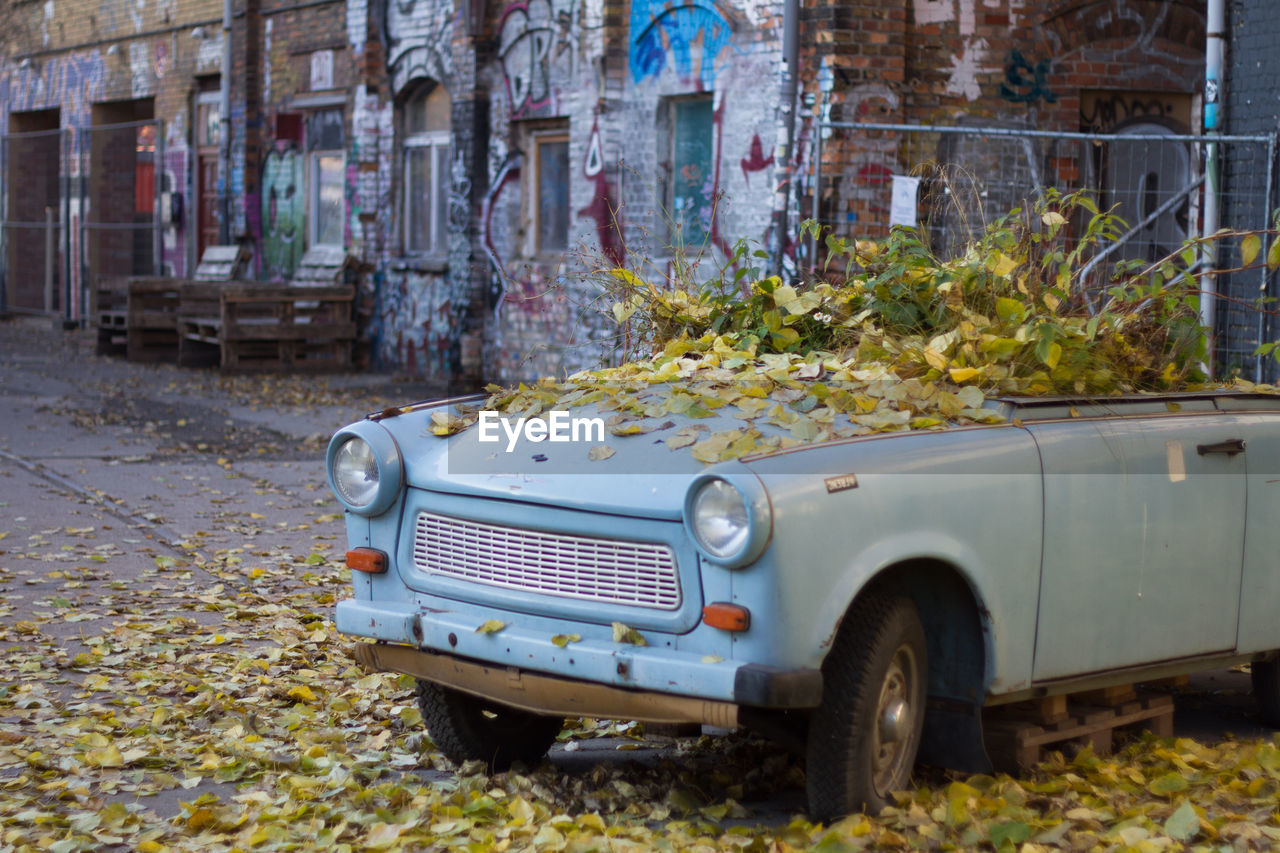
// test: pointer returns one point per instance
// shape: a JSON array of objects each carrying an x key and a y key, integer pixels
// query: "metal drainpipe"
[
  {"x": 1215, "y": 21},
  {"x": 786, "y": 133},
  {"x": 224, "y": 130}
]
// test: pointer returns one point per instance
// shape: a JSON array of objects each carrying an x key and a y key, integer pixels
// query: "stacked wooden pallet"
[
  {"x": 152, "y": 318},
  {"x": 267, "y": 327},
  {"x": 138, "y": 315},
  {"x": 1019, "y": 736}
]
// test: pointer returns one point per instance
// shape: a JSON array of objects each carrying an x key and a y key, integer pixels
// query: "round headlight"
[
  {"x": 365, "y": 469},
  {"x": 719, "y": 518},
  {"x": 355, "y": 473}
]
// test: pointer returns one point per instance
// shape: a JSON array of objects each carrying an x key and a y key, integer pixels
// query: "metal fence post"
[
  {"x": 158, "y": 193},
  {"x": 49, "y": 244}
]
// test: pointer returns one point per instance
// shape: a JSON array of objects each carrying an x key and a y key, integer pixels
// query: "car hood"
[{"x": 636, "y": 474}]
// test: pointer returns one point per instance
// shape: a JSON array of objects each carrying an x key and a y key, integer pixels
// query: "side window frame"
[
  {"x": 325, "y": 143},
  {"x": 547, "y": 208},
  {"x": 433, "y": 142}
]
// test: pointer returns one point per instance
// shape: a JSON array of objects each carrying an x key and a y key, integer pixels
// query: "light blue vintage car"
[{"x": 861, "y": 598}]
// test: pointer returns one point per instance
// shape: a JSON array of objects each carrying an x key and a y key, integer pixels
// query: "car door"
[
  {"x": 1143, "y": 539},
  {"x": 1260, "y": 584}
]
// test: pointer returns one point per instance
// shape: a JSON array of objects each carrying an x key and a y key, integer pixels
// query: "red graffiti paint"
[
  {"x": 875, "y": 173},
  {"x": 603, "y": 209},
  {"x": 607, "y": 214},
  {"x": 755, "y": 161}
]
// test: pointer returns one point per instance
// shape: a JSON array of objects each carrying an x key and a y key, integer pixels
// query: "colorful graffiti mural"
[
  {"x": 524, "y": 46},
  {"x": 689, "y": 37},
  {"x": 283, "y": 226},
  {"x": 72, "y": 82}
]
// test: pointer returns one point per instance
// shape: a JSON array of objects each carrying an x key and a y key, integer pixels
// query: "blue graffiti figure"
[
  {"x": 1016, "y": 77},
  {"x": 671, "y": 33}
]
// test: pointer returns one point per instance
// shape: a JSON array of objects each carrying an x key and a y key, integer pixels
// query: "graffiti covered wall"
[{"x": 1083, "y": 66}]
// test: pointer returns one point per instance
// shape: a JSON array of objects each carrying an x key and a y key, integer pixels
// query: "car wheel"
[
  {"x": 466, "y": 728},
  {"x": 1266, "y": 688},
  {"x": 864, "y": 736}
]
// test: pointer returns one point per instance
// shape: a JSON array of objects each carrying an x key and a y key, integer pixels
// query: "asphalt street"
[{"x": 162, "y": 468}]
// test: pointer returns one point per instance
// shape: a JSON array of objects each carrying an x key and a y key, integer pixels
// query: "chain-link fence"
[
  {"x": 32, "y": 239},
  {"x": 951, "y": 182},
  {"x": 120, "y": 197},
  {"x": 80, "y": 206}
]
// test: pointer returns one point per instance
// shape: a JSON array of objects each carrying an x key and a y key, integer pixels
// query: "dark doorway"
[
  {"x": 120, "y": 220},
  {"x": 32, "y": 158}
]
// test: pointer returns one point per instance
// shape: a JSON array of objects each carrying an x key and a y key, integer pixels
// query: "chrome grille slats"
[{"x": 637, "y": 574}]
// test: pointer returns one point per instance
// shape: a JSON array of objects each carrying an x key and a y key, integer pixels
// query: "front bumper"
[
  {"x": 566, "y": 697},
  {"x": 593, "y": 677}
]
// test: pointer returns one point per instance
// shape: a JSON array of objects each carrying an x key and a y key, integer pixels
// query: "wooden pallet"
[
  {"x": 153, "y": 319},
  {"x": 1018, "y": 737},
  {"x": 222, "y": 263},
  {"x": 287, "y": 328},
  {"x": 269, "y": 327},
  {"x": 200, "y": 324}
]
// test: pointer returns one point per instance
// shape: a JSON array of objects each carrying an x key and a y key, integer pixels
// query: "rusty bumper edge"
[{"x": 544, "y": 694}]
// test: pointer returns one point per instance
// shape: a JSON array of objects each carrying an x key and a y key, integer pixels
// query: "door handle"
[{"x": 1231, "y": 447}]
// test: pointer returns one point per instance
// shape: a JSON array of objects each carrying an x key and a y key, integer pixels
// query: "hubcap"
[{"x": 895, "y": 723}]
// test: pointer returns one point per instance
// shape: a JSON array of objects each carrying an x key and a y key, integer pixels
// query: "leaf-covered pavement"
[{"x": 210, "y": 706}]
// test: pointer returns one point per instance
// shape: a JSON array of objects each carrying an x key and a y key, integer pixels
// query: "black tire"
[
  {"x": 466, "y": 728},
  {"x": 864, "y": 736},
  {"x": 1266, "y": 689}
]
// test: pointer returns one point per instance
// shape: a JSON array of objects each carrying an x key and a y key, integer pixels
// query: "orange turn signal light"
[
  {"x": 369, "y": 560},
  {"x": 728, "y": 617}
]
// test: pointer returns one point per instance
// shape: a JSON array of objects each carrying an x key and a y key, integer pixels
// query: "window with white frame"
[
  {"x": 426, "y": 171},
  {"x": 547, "y": 154},
  {"x": 326, "y": 168}
]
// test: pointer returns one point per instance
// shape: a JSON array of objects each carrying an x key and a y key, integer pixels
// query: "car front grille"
[{"x": 639, "y": 574}]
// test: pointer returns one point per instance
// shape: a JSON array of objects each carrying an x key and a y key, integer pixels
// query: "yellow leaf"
[
  {"x": 302, "y": 693},
  {"x": 666, "y": 371},
  {"x": 384, "y": 834},
  {"x": 622, "y": 313},
  {"x": 562, "y": 640},
  {"x": 107, "y": 757},
  {"x": 630, "y": 279},
  {"x": 1003, "y": 265},
  {"x": 625, "y": 634},
  {"x": 600, "y": 452},
  {"x": 1249, "y": 248},
  {"x": 1055, "y": 355},
  {"x": 1273, "y": 254},
  {"x": 936, "y": 360},
  {"x": 683, "y": 438},
  {"x": 784, "y": 295},
  {"x": 963, "y": 374},
  {"x": 491, "y": 626}
]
